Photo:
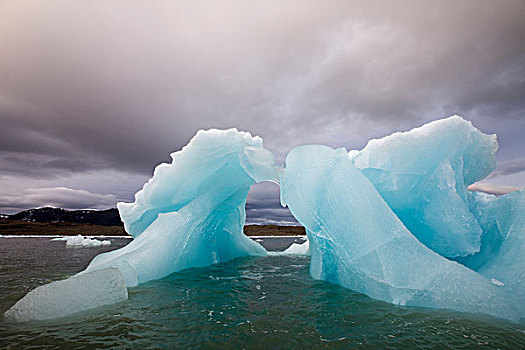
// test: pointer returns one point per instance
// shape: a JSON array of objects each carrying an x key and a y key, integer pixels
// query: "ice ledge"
[{"x": 78, "y": 293}]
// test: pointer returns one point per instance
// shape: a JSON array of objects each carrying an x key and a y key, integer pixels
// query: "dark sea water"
[{"x": 253, "y": 303}]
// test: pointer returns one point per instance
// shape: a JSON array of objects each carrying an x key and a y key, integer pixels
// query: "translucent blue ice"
[
  {"x": 501, "y": 257},
  {"x": 423, "y": 175},
  {"x": 381, "y": 221},
  {"x": 214, "y": 162},
  {"x": 357, "y": 241},
  {"x": 81, "y": 292},
  {"x": 191, "y": 213}
]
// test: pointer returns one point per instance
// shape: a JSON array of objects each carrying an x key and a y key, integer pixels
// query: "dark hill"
[
  {"x": 109, "y": 217},
  {"x": 62, "y": 222}
]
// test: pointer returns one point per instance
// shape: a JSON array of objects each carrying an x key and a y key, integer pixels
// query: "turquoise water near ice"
[{"x": 257, "y": 302}]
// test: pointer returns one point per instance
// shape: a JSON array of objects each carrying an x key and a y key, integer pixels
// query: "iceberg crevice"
[{"x": 501, "y": 257}]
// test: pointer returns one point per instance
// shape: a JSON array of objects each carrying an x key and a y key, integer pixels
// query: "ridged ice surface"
[
  {"x": 357, "y": 241},
  {"x": 423, "y": 175},
  {"x": 78, "y": 293}
]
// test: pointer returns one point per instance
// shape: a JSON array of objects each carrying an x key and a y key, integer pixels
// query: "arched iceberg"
[{"x": 191, "y": 213}]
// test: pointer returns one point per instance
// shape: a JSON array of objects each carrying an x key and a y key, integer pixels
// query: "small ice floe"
[
  {"x": 81, "y": 241},
  {"x": 61, "y": 238},
  {"x": 496, "y": 282},
  {"x": 297, "y": 249}
]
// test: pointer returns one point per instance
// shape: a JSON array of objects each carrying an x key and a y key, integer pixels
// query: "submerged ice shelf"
[
  {"x": 81, "y": 292},
  {"x": 394, "y": 221}
]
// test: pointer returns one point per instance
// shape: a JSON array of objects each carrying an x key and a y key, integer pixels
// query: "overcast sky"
[{"x": 94, "y": 94}]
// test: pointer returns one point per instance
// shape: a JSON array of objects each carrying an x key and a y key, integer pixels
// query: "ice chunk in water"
[
  {"x": 81, "y": 241},
  {"x": 60, "y": 298},
  {"x": 358, "y": 242},
  {"x": 297, "y": 249},
  {"x": 423, "y": 175},
  {"x": 191, "y": 212}
]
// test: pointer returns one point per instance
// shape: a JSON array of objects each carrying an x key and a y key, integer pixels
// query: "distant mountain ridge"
[
  {"x": 62, "y": 222},
  {"x": 108, "y": 217}
]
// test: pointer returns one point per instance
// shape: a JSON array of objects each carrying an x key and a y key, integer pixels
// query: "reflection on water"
[{"x": 249, "y": 302}]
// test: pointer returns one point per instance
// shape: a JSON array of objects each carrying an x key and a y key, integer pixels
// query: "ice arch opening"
[
  {"x": 191, "y": 213},
  {"x": 263, "y": 206}
]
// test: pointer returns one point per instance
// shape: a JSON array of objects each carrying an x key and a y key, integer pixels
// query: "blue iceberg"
[
  {"x": 357, "y": 241},
  {"x": 394, "y": 221},
  {"x": 191, "y": 213}
]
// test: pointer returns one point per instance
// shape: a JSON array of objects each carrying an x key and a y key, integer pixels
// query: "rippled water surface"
[{"x": 269, "y": 302}]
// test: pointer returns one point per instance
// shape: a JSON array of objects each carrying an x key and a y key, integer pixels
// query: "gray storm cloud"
[
  {"x": 61, "y": 197},
  {"x": 91, "y": 88}
]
